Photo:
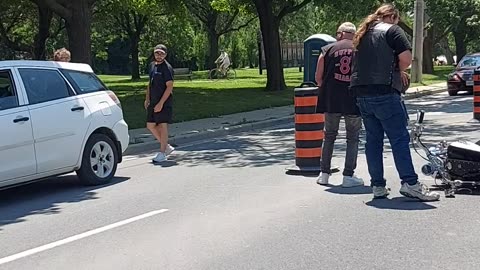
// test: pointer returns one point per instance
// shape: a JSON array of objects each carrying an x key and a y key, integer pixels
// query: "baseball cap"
[
  {"x": 347, "y": 27},
  {"x": 160, "y": 48}
]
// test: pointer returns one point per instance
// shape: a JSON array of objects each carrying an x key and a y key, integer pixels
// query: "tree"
[
  {"x": 271, "y": 14},
  {"x": 15, "y": 16},
  {"x": 131, "y": 18},
  {"x": 78, "y": 20},
  {"x": 460, "y": 18},
  {"x": 361, "y": 9},
  {"x": 219, "y": 18},
  {"x": 18, "y": 18}
]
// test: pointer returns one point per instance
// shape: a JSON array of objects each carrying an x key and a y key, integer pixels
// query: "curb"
[{"x": 135, "y": 149}]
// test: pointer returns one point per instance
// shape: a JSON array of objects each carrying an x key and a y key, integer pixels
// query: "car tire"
[
  {"x": 99, "y": 161},
  {"x": 452, "y": 93}
]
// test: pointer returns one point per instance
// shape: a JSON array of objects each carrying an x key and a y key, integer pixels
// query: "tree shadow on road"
[
  {"x": 254, "y": 149},
  {"x": 400, "y": 203},
  {"x": 439, "y": 103},
  {"x": 45, "y": 197},
  {"x": 276, "y": 146}
]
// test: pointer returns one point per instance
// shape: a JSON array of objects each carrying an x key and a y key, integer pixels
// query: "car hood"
[
  {"x": 466, "y": 69},
  {"x": 466, "y": 73}
]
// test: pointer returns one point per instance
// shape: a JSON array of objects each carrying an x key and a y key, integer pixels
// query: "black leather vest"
[{"x": 375, "y": 62}]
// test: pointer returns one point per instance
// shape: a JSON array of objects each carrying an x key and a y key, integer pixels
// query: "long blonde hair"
[{"x": 385, "y": 10}]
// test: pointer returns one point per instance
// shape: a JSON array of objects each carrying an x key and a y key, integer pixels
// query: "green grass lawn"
[
  {"x": 439, "y": 76},
  {"x": 202, "y": 98}
]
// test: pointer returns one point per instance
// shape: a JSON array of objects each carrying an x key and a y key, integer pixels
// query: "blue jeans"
[{"x": 386, "y": 114}]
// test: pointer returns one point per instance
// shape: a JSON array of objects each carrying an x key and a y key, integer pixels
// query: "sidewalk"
[{"x": 180, "y": 133}]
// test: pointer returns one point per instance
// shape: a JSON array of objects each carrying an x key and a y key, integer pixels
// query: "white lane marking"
[{"x": 78, "y": 237}]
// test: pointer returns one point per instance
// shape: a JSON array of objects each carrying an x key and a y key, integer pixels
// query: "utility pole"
[{"x": 418, "y": 25}]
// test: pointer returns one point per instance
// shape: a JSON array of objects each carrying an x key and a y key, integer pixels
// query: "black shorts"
[{"x": 164, "y": 116}]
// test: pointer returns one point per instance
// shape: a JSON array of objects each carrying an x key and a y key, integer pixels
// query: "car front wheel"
[{"x": 99, "y": 160}]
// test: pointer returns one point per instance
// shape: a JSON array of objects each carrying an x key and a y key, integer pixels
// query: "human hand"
[
  {"x": 158, "y": 107},
  {"x": 146, "y": 103}
]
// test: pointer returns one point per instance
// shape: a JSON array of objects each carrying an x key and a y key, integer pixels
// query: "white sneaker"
[
  {"x": 169, "y": 150},
  {"x": 419, "y": 191},
  {"x": 323, "y": 178},
  {"x": 380, "y": 192},
  {"x": 352, "y": 181},
  {"x": 160, "y": 157}
]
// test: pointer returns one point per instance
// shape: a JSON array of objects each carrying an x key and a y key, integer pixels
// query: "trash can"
[{"x": 312, "y": 50}]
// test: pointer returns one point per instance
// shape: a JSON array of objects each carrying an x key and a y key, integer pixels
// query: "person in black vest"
[
  {"x": 381, "y": 58},
  {"x": 333, "y": 79},
  {"x": 159, "y": 101}
]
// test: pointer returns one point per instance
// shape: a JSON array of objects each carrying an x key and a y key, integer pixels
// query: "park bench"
[{"x": 182, "y": 73}]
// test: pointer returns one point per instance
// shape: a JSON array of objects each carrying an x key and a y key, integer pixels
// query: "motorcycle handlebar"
[{"x": 420, "y": 116}]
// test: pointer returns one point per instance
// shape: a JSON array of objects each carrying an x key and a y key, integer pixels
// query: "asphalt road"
[{"x": 228, "y": 204}]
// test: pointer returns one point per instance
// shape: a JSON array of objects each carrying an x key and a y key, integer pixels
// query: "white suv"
[{"x": 56, "y": 118}]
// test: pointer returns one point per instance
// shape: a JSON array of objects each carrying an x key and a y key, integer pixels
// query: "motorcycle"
[{"x": 456, "y": 165}]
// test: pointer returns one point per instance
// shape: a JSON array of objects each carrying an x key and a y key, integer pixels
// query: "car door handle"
[
  {"x": 80, "y": 108},
  {"x": 21, "y": 119}
]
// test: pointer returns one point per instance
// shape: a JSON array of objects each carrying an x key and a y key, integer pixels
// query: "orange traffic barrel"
[
  {"x": 476, "y": 94},
  {"x": 309, "y": 132}
]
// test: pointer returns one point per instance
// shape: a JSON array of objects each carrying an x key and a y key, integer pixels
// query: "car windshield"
[{"x": 470, "y": 61}]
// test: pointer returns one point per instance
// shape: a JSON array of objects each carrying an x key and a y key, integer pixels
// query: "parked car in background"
[
  {"x": 57, "y": 118},
  {"x": 462, "y": 78}
]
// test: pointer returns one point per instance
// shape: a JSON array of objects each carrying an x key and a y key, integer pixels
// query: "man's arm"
[
  {"x": 320, "y": 69},
  {"x": 146, "y": 103},
  {"x": 168, "y": 77},
  {"x": 147, "y": 93},
  {"x": 167, "y": 92},
  {"x": 404, "y": 60},
  {"x": 398, "y": 41}
]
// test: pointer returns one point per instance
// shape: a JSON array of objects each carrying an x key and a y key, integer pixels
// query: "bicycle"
[{"x": 216, "y": 74}]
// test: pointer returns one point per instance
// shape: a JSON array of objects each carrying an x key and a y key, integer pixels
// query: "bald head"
[{"x": 346, "y": 31}]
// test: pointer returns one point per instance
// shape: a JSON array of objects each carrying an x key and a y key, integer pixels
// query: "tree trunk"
[
  {"x": 428, "y": 56},
  {"x": 447, "y": 50},
  {"x": 45, "y": 16},
  {"x": 460, "y": 45},
  {"x": 213, "y": 47},
  {"x": 134, "y": 41},
  {"x": 269, "y": 24},
  {"x": 79, "y": 31}
]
